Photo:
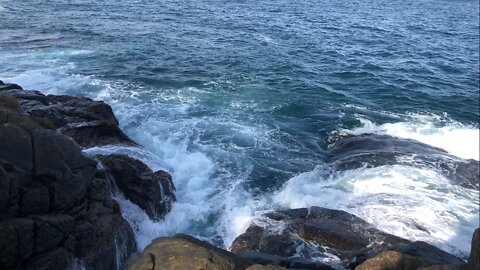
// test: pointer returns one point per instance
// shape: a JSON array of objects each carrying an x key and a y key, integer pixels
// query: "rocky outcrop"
[
  {"x": 151, "y": 191},
  {"x": 318, "y": 233},
  {"x": 185, "y": 252},
  {"x": 351, "y": 152},
  {"x": 55, "y": 206},
  {"x": 90, "y": 123}
]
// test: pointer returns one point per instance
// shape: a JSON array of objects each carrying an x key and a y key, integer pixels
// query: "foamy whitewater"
[
  {"x": 414, "y": 203},
  {"x": 240, "y": 101}
]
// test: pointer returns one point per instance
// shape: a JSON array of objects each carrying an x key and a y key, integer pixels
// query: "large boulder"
[
  {"x": 151, "y": 191},
  {"x": 55, "y": 206},
  {"x": 317, "y": 233},
  {"x": 90, "y": 123},
  {"x": 185, "y": 252}
]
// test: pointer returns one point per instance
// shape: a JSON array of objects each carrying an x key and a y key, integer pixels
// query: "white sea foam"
[
  {"x": 49, "y": 83},
  {"x": 417, "y": 204},
  {"x": 457, "y": 139},
  {"x": 414, "y": 203}
]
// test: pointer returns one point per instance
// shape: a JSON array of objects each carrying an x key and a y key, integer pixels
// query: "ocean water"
[{"x": 239, "y": 101}]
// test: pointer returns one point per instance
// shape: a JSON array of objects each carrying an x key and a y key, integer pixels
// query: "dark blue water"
[{"x": 237, "y": 97}]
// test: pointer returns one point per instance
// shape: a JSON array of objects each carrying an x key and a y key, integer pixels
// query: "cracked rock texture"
[{"x": 55, "y": 206}]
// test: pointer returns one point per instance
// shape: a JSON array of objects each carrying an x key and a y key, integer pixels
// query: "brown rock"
[
  {"x": 392, "y": 260},
  {"x": 185, "y": 252}
]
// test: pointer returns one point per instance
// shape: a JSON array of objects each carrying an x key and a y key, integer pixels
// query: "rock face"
[
  {"x": 90, "y": 123},
  {"x": 151, "y": 191},
  {"x": 55, "y": 206},
  {"x": 372, "y": 150},
  {"x": 313, "y": 233},
  {"x": 185, "y": 252}
]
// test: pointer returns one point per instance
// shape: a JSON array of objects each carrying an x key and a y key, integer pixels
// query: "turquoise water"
[{"x": 240, "y": 99}]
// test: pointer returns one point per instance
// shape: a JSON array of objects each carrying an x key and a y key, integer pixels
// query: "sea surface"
[{"x": 239, "y": 101}]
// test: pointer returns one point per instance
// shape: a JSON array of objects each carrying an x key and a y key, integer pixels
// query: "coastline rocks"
[
  {"x": 371, "y": 150},
  {"x": 185, "y": 252},
  {"x": 90, "y": 123},
  {"x": 151, "y": 191},
  {"x": 55, "y": 206},
  {"x": 319, "y": 234}
]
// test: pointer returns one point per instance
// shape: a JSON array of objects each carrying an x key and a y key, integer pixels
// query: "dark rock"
[
  {"x": 300, "y": 263},
  {"x": 317, "y": 231},
  {"x": 96, "y": 134},
  {"x": 53, "y": 205},
  {"x": 90, "y": 123},
  {"x": 185, "y": 252},
  {"x": 58, "y": 258},
  {"x": 9, "y": 102},
  {"x": 372, "y": 150},
  {"x": 16, "y": 145},
  {"x": 151, "y": 191},
  {"x": 431, "y": 254},
  {"x": 438, "y": 267},
  {"x": 265, "y": 267},
  {"x": 474, "y": 258},
  {"x": 16, "y": 241},
  {"x": 104, "y": 249},
  {"x": 34, "y": 198},
  {"x": 62, "y": 167},
  {"x": 9, "y": 86},
  {"x": 28, "y": 99},
  {"x": 264, "y": 258}
]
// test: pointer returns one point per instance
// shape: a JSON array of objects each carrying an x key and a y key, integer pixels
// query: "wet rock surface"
[
  {"x": 55, "y": 206},
  {"x": 151, "y": 191},
  {"x": 330, "y": 236},
  {"x": 90, "y": 123},
  {"x": 370, "y": 150}
]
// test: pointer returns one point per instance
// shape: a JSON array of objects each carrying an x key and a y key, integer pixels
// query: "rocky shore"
[{"x": 57, "y": 211}]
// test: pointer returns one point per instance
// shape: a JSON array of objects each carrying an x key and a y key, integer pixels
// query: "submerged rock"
[
  {"x": 151, "y": 191},
  {"x": 372, "y": 150},
  {"x": 55, "y": 207},
  {"x": 90, "y": 123},
  {"x": 320, "y": 234}
]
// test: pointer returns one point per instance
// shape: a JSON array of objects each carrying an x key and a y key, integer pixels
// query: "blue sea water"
[{"x": 239, "y": 100}]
